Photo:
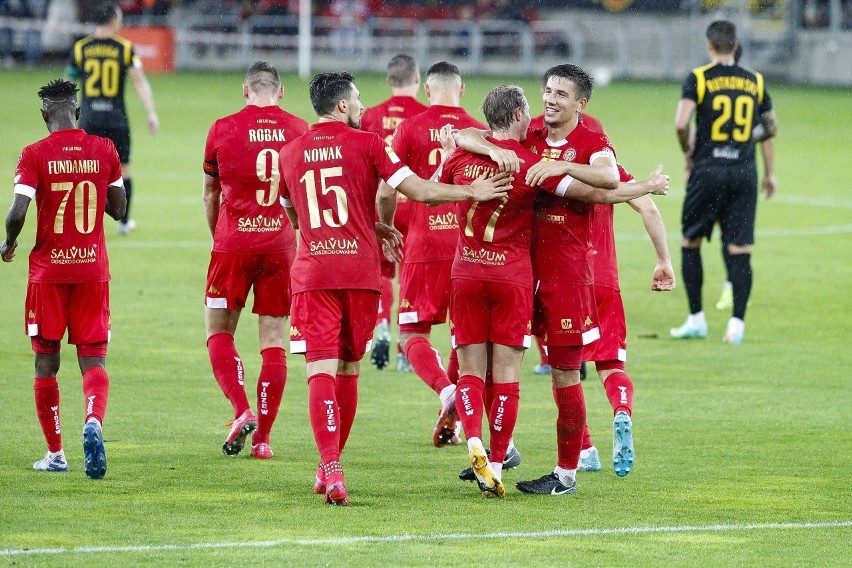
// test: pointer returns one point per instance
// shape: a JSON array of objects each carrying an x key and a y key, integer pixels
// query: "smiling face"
[{"x": 561, "y": 103}]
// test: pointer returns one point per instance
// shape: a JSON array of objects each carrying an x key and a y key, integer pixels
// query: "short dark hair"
[
  {"x": 722, "y": 35},
  {"x": 402, "y": 70},
  {"x": 58, "y": 92},
  {"x": 444, "y": 69},
  {"x": 104, "y": 13},
  {"x": 583, "y": 83},
  {"x": 262, "y": 75},
  {"x": 499, "y": 105},
  {"x": 327, "y": 89}
]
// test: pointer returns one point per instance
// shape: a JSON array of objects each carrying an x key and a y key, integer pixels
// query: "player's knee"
[
  {"x": 734, "y": 250},
  {"x": 690, "y": 243},
  {"x": 92, "y": 350}
]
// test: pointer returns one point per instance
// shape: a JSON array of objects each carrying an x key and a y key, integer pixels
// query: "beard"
[{"x": 354, "y": 122}]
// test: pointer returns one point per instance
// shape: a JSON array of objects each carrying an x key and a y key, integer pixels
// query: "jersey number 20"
[{"x": 102, "y": 78}]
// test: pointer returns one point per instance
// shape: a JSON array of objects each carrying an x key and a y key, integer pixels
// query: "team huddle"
[{"x": 507, "y": 234}]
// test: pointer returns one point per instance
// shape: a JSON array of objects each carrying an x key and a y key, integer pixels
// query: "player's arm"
[
  {"x": 212, "y": 197},
  {"x": 116, "y": 201},
  {"x": 473, "y": 140},
  {"x": 766, "y": 128},
  {"x": 601, "y": 173},
  {"x": 663, "y": 279},
  {"x": 767, "y": 149},
  {"x": 434, "y": 193},
  {"x": 685, "y": 108},
  {"x": 657, "y": 183},
  {"x": 386, "y": 203},
  {"x": 146, "y": 95},
  {"x": 14, "y": 224}
]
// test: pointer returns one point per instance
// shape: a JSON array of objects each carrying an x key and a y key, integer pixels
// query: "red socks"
[
  {"x": 502, "y": 418},
  {"x": 46, "y": 392},
  {"x": 325, "y": 416},
  {"x": 488, "y": 394},
  {"x": 469, "y": 405},
  {"x": 95, "y": 392},
  {"x": 346, "y": 392},
  {"x": 542, "y": 354},
  {"x": 453, "y": 367},
  {"x": 228, "y": 370},
  {"x": 570, "y": 420},
  {"x": 426, "y": 362},
  {"x": 385, "y": 301},
  {"x": 587, "y": 438},
  {"x": 270, "y": 391},
  {"x": 619, "y": 391}
]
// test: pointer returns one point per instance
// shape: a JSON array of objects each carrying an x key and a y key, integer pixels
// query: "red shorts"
[
  {"x": 565, "y": 314},
  {"x": 424, "y": 294},
  {"x": 230, "y": 276},
  {"x": 612, "y": 346},
  {"x": 82, "y": 309},
  {"x": 496, "y": 312},
  {"x": 333, "y": 324}
]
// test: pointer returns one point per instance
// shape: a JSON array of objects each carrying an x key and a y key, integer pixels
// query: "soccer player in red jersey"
[
  {"x": 575, "y": 190},
  {"x": 403, "y": 78},
  {"x": 610, "y": 351},
  {"x": 492, "y": 286},
  {"x": 253, "y": 248},
  {"x": 430, "y": 244},
  {"x": 74, "y": 178},
  {"x": 330, "y": 177}
]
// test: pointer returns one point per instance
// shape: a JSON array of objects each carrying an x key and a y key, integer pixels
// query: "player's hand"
[
  {"x": 769, "y": 186},
  {"x": 664, "y": 280},
  {"x": 507, "y": 160},
  {"x": 7, "y": 251},
  {"x": 494, "y": 187},
  {"x": 391, "y": 241},
  {"x": 153, "y": 123},
  {"x": 543, "y": 170},
  {"x": 447, "y": 138},
  {"x": 658, "y": 182}
]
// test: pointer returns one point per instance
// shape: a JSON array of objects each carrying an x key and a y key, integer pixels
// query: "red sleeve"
[
  {"x": 211, "y": 164},
  {"x": 26, "y": 172},
  {"x": 115, "y": 165},
  {"x": 283, "y": 190},
  {"x": 388, "y": 165},
  {"x": 449, "y": 166}
]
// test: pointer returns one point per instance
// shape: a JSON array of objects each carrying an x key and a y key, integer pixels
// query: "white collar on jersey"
[{"x": 557, "y": 144}]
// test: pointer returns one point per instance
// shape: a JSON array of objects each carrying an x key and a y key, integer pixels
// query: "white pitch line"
[{"x": 423, "y": 538}]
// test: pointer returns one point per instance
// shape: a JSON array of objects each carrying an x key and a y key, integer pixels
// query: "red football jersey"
[
  {"x": 385, "y": 117},
  {"x": 588, "y": 121},
  {"x": 494, "y": 244},
  {"x": 242, "y": 151},
  {"x": 432, "y": 231},
  {"x": 67, "y": 174},
  {"x": 330, "y": 175},
  {"x": 562, "y": 248},
  {"x": 603, "y": 241}
]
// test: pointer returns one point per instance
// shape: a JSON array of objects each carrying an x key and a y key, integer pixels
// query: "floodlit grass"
[{"x": 740, "y": 437}]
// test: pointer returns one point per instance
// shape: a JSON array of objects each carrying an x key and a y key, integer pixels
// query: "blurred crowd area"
[{"x": 345, "y": 18}]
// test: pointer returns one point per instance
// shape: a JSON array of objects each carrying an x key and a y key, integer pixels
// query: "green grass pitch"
[{"x": 743, "y": 453}]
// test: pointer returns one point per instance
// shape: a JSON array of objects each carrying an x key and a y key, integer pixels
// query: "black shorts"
[
  {"x": 119, "y": 136},
  {"x": 723, "y": 194}
]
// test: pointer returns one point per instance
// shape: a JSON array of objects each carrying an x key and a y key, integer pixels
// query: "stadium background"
[{"x": 742, "y": 454}]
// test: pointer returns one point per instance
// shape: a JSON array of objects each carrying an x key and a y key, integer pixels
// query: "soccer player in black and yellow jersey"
[
  {"x": 102, "y": 62},
  {"x": 733, "y": 111}
]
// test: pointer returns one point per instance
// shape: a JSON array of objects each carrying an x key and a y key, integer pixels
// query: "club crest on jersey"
[
  {"x": 569, "y": 154},
  {"x": 567, "y": 324}
]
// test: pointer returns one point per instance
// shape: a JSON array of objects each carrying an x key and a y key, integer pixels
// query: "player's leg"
[
  {"x": 503, "y": 413},
  {"x": 355, "y": 333},
  {"x": 45, "y": 322},
  {"x": 542, "y": 368},
  {"x": 228, "y": 284},
  {"x": 121, "y": 139},
  {"x": 272, "y": 305},
  {"x": 315, "y": 328},
  {"x": 88, "y": 329},
  {"x": 424, "y": 300},
  {"x": 382, "y": 336},
  {"x": 737, "y": 223},
  {"x": 270, "y": 382},
  {"x": 700, "y": 211},
  {"x": 726, "y": 298}
]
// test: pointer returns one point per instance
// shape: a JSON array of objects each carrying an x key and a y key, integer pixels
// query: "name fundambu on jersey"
[{"x": 730, "y": 100}]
